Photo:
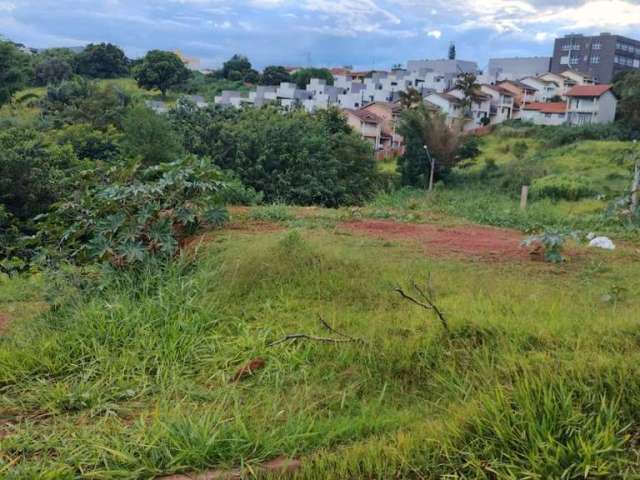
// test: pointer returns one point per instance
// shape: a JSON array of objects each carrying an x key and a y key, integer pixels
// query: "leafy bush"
[
  {"x": 520, "y": 149},
  {"x": 83, "y": 101},
  {"x": 566, "y": 134},
  {"x": 290, "y": 157},
  {"x": 561, "y": 187},
  {"x": 125, "y": 222},
  {"x": 150, "y": 136},
  {"x": 469, "y": 148}
]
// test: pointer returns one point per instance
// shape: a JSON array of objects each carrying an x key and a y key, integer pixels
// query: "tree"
[
  {"x": 467, "y": 83},
  {"x": 237, "y": 63},
  {"x": 52, "y": 71},
  {"x": 452, "y": 51},
  {"x": 252, "y": 76},
  {"x": 85, "y": 101},
  {"x": 103, "y": 60},
  {"x": 302, "y": 77},
  {"x": 13, "y": 71},
  {"x": 161, "y": 70},
  {"x": 627, "y": 89},
  {"x": 290, "y": 157},
  {"x": 30, "y": 172},
  {"x": 410, "y": 98},
  {"x": 275, "y": 75},
  {"x": 150, "y": 136},
  {"x": 421, "y": 128}
]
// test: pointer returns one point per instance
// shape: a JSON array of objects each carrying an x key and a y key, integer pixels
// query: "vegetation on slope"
[{"x": 135, "y": 379}]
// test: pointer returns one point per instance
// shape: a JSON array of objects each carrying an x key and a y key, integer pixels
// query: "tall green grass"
[{"x": 537, "y": 378}]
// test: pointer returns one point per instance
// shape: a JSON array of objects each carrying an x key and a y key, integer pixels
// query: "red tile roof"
[
  {"x": 366, "y": 116},
  {"x": 588, "y": 91},
  {"x": 554, "y": 107}
]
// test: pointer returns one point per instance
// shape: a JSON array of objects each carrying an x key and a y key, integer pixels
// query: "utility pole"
[{"x": 432, "y": 162}]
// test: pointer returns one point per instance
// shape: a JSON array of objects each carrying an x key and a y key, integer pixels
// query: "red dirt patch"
[{"x": 437, "y": 240}]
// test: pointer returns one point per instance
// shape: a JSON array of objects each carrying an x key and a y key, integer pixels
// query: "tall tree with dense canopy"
[
  {"x": 421, "y": 127},
  {"x": 53, "y": 70},
  {"x": 275, "y": 75},
  {"x": 13, "y": 71},
  {"x": 627, "y": 89},
  {"x": 103, "y": 60},
  {"x": 302, "y": 77},
  {"x": 236, "y": 68},
  {"x": 161, "y": 70}
]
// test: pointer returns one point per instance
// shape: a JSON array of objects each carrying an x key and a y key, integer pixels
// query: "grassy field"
[{"x": 536, "y": 377}]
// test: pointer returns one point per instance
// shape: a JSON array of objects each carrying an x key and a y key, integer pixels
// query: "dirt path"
[{"x": 437, "y": 240}]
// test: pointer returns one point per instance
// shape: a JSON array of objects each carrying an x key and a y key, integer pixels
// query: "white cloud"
[
  {"x": 435, "y": 34},
  {"x": 7, "y": 6}
]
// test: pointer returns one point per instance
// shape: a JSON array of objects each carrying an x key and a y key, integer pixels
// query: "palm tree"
[
  {"x": 467, "y": 83},
  {"x": 410, "y": 98}
]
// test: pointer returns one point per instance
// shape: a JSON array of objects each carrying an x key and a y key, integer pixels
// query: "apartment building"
[{"x": 600, "y": 56}]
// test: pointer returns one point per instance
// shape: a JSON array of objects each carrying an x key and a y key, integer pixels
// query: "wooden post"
[
  {"x": 634, "y": 189},
  {"x": 524, "y": 197},
  {"x": 433, "y": 170}
]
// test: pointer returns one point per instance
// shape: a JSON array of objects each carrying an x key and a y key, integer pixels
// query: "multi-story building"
[{"x": 601, "y": 56}]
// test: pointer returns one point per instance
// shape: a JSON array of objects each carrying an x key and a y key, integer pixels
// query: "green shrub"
[
  {"x": 290, "y": 157},
  {"x": 561, "y": 187}
]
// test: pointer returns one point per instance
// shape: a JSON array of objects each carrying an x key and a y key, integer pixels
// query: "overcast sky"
[{"x": 362, "y": 33}]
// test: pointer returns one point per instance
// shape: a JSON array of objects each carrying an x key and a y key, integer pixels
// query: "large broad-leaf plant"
[{"x": 123, "y": 222}]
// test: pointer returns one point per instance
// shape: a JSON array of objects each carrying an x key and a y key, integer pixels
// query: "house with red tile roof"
[
  {"x": 367, "y": 124},
  {"x": 544, "y": 113},
  {"x": 588, "y": 104}
]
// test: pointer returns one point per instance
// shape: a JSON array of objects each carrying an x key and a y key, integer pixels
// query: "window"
[
  {"x": 597, "y": 46},
  {"x": 574, "y": 60},
  {"x": 595, "y": 59}
]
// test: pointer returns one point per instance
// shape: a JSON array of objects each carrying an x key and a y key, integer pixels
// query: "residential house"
[
  {"x": 578, "y": 77},
  {"x": 450, "y": 105},
  {"x": 545, "y": 90},
  {"x": 502, "y": 103},
  {"x": 478, "y": 114},
  {"x": 554, "y": 113},
  {"x": 564, "y": 83},
  {"x": 391, "y": 141},
  {"x": 591, "y": 104},
  {"x": 523, "y": 93},
  {"x": 367, "y": 124}
]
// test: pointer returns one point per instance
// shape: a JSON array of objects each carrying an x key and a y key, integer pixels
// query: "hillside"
[{"x": 136, "y": 379}]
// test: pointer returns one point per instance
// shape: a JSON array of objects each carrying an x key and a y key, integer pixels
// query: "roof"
[
  {"x": 365, "y": 115},
  {"x": 393, "y": 107},
  {"x": 518, "y": 84},
  {"x": 499, "y": 89},
  {"x": 448, "y": 97},
  {"x": 588, "y": 90},
  {"x": 553, "y": 107},
  {"x": 340, "y": 71}
]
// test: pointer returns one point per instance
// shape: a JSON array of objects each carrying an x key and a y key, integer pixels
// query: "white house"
[
  {"x": 545, "y": 90},
  {"x": 450, "y": 105},
  {"x": 502, "y": 103},
  {"x": 591, "y": 104}
]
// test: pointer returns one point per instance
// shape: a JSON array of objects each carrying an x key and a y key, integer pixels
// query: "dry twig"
[
  {"x": 303, "y": 336},
  {"x": 427, "y": 301}
]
